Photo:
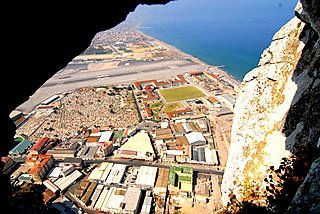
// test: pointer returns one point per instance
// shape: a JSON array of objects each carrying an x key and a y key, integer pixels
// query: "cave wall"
[
  {"x": 40, "y": 38},
  {"x": 276, "y": 125}
]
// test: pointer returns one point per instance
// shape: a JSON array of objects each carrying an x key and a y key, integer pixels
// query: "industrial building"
[
  {"x": 65, "y": 182},
  {"x": 114, "y": 202},
  {"x": 106, "y": 148},
  {"x": 105, "y": 136},
  {"x": 64, "y": 152},
  {"x": 196, "y": 138},
  {"x": 55, "y": 172},
  {"x": 164, "y": 134},
  {"x": 88, "y": 152},
  {"x": 101, "y": 199},
  {"x": 96, "y": 195},
  {"x": 137, "y": 147},
  {"x": 9, "y": 164},
  {"x": 21, "y": 148},
  {"x": 39, "y": 165},
  {"x": 131, "y": 200},
  {"x": 101, "y": 173},
  {"x": 147, "y": 203},
  {"x": 86, "y": 198},
  {"x": 146, "y": 176},
  {"x": 36, "y": 148},
  {"x": 116, "y": 174},
  {"x": 51, "y": 186},
  {"x": 16, "y": 116},
  {"x": 82, "y": 188},
  {"x": 205, "y": 155},
  {"x": 48, "y": 196}
]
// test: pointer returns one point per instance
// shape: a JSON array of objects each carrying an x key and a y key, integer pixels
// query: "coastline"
[
  {"x": 54, "y": 85},
  {"x": 195, "y": 59}
]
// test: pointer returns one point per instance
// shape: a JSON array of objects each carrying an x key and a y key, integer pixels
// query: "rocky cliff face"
[{"x": 276, "y": 126}]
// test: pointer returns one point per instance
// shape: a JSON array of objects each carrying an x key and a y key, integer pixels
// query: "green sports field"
[{"x": 181, "y": 93}]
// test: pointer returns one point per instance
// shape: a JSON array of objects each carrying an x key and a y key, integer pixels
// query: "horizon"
[{"x": 229, "y": 33}]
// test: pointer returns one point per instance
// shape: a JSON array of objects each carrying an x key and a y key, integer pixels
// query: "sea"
[{"x": 227, "y": 33}]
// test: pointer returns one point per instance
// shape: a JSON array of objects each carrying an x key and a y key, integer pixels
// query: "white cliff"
[{"x": 276, "y": 116}]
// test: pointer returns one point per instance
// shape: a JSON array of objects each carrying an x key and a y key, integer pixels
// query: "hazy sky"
[{"x": 206, "y": 10}]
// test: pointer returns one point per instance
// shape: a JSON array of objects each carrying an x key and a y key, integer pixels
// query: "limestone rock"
[{"x": 277, "y": 116}]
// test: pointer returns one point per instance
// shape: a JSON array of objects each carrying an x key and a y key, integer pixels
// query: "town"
[{"x": 142, "y": 146}]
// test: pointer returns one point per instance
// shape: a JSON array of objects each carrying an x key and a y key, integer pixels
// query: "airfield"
[{"x": 78, "y": 75}]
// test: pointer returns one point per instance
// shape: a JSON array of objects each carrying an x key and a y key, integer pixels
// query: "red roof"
[
  {"x": 45, "y": 107},
  {"x": 34, "y": 158},
  {"x": 149, "y": 87},
  {"x": 161, "y": 83},
  {"x": 196, "y": 73},
  {"x": 212, "y": 75},
  {"x": 149, "y": 93},
  {"x": 149, "y": 98},
  {"x": 137, "y": 85},
  {"x": 181, "y": 78},
  {"x": 40, "y": 144},
  {"x": 174, "y": 113},
  {"x": 149, "y": 112},
  {"x": 5, "y": 159},
  {"x": 128, "y": 152},
  {"x": 180, "y": 147}
]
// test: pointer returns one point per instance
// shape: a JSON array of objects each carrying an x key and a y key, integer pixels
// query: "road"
[
  {"x": 220, "y": 141},
  {"x": 160, "y": 165},
  {"x": 212, "y": 169}
]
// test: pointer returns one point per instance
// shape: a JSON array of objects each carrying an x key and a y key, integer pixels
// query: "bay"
[{"x": 231, "y": 33}]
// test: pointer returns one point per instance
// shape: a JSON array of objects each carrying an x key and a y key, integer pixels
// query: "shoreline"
[
  {"x": 195, "y": 59},
  {"x": 58, "y": 88}
]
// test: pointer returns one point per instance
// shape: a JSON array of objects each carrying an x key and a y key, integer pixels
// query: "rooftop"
[
  {"x": 22, "y": 146},
  {"x": 140, "y": 142}
]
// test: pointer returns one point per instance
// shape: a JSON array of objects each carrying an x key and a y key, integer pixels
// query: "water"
[{"x": 232, "y": 33}]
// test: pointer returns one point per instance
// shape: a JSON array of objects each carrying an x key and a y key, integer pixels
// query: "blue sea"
[{"x": 231, "y": 33}]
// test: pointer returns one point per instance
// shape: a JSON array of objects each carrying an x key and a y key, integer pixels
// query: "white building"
[
  {"x": 65, "y": 182},
  {"x": 196, "y": 138},
  {"x": 147, "y": 176},
  {"x": 100, "y": 173},
  {"x": 105, "y": 136},
  {"x": 101, "y": 199},
  {"x": 131, "y": 200},
  {"x": 55, "y": 172},
  {"x": 51, "y": 186},
  {"x": 116, "y": 174}
]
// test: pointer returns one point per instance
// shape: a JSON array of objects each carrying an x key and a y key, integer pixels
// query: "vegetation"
[
  {"x": 118, "y": 135},
  {"x": 157, "y": 104},
  {"x": 156, "y": 107},
  {"x": 181, "y": 93},
  {"x": 172, "y": 107}
]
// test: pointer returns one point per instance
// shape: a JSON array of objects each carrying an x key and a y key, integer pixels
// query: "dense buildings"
[
  {"x": 39, "y": 166},
  {"x": 146, "y": 146}
]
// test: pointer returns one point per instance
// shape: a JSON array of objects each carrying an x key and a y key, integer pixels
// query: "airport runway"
[{"x": 70, "y": 79}]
